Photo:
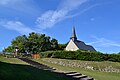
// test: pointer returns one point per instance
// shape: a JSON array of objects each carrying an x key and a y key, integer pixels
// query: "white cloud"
[
  {"x": 26, "y": 6},
  {"x": 51, "y": 17},
  {"x": 83, "y": 11},
  {"x": 16, "y": 26},
  {"x": 102, "y": 42}
]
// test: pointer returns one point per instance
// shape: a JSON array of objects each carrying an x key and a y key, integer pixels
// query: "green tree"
[
  {"x": 54, "y": 44},
  {"x": 38, "y": 42},
  {"x": 62, "y": 46},
  {"x": 34, "y": 43},
  {"x": 20, "y": 42},
  {"x": 44, "y": 42},
  {"x": 9, "y": 49}
]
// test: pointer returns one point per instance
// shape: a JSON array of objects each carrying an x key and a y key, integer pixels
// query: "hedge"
[{"x": 81, "y": 55}]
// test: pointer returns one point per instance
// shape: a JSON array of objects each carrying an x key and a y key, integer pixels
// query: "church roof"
[
  {"x": 73, "y": 33},
  {"x": 80, "y": 44},
  {"x": 73, "y": 37}
]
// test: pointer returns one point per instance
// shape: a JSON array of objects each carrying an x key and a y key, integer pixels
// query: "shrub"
[
  {"x": 81, "y": 55},
  {"x": 78, "y": 55}
]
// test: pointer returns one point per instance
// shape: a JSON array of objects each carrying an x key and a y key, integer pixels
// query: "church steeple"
[{"x": 73, "y": 37}]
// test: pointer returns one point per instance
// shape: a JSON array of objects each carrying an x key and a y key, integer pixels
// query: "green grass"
[
  {"x": 95, "y": 74},
  {"x": 95, "y": 64},
  {"x": 12, "y": 60},
  {"x": 15, "y": 69}
]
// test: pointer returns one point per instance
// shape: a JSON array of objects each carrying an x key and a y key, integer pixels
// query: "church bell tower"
[{"x": 73, "y": 37}]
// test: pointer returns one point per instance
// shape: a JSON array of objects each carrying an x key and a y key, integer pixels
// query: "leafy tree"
[
  {"x": 20, "y": 42},
  {"x": 62, "y": 46},
  {"x": 44, "y": 42},
  {"x": 54, "y": 44},
  {"x": 34, "y": 43},
  {"x": 9, "y": 49}
]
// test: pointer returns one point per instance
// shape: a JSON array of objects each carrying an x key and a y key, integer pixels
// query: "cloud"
[
  {"x": 102, "y": 42},
  {"x": 51, "y": 17},
  {"x": 82, "y": 11},
  {"x": 24, "y": 6},
  {"x": 16, "y": 26}
]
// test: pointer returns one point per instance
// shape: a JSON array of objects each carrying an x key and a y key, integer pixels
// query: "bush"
[
  {"x": 77, "y": 55},
  {"x": 1, "y": 55},
  {"x": 81, "y": 55},
  {"x": 114, "y": 57},
  {"x": 8, "y": 56}
]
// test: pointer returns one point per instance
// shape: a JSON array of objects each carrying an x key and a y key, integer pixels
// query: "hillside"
[
  {"x": 15, "y": 69},
  {"x": 85, "y": 67}
]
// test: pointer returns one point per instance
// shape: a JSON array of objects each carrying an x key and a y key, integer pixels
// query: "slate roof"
[{"x": 80, "y": 44}]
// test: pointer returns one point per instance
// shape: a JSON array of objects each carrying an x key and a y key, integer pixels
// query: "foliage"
[
  {"x": 62, "y": 46},
  {"x": 34, "y": 43},
  {"x": 82, "y": 55},
  {"x": 20, "y": 43},
  {"x": 54, "y": 44},
  {"x": 38, "y": 42},
  {"x": 9, "y": 49},
  {"x": 1, "y": 55}
]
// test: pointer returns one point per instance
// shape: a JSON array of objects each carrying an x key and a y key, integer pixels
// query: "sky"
[{"x": 97, "y": 22}]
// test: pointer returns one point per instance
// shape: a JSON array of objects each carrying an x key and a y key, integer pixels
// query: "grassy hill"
[
  {"x": 15, "y": 69},
  {"x": 64, "y": 64}
]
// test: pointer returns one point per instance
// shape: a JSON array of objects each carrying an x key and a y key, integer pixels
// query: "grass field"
[
  {"x": 15, "y": 69},
  {"x": 95, "y": 74},
  {"x": 12, "y": 61}
]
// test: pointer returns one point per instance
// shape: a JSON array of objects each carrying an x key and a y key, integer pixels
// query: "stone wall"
[{"x": 84, "y": 64}]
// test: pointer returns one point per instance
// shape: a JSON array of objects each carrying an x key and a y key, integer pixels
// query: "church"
[{"x": 75, "y": 44}]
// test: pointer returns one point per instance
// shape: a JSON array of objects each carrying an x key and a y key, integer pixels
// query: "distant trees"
[
  {"x": 119, "y": 53},
  {"x": 34, "y": 43},
  {"x": 62, "y": 46}
]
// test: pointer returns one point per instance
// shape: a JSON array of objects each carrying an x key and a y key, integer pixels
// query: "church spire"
[{"x": 73, "y": 37}]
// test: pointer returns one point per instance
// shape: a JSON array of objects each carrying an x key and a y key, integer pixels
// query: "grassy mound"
[{"x": 11, "y": 70}]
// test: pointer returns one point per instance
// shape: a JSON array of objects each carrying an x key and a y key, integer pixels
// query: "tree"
[
  {"x": 20, "y": 42},
  {"x": 38, "y": 42},
  {"x": 62, "y": 46},
  {"x": 54, "y": 44},
  {"x": 9, "y": 49},
  {"x": 119, "y": 53},
  {"x": 34, "y": 43}
]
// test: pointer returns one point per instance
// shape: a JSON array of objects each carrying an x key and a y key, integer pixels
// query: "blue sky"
[{"x": 97, "y": 22}]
